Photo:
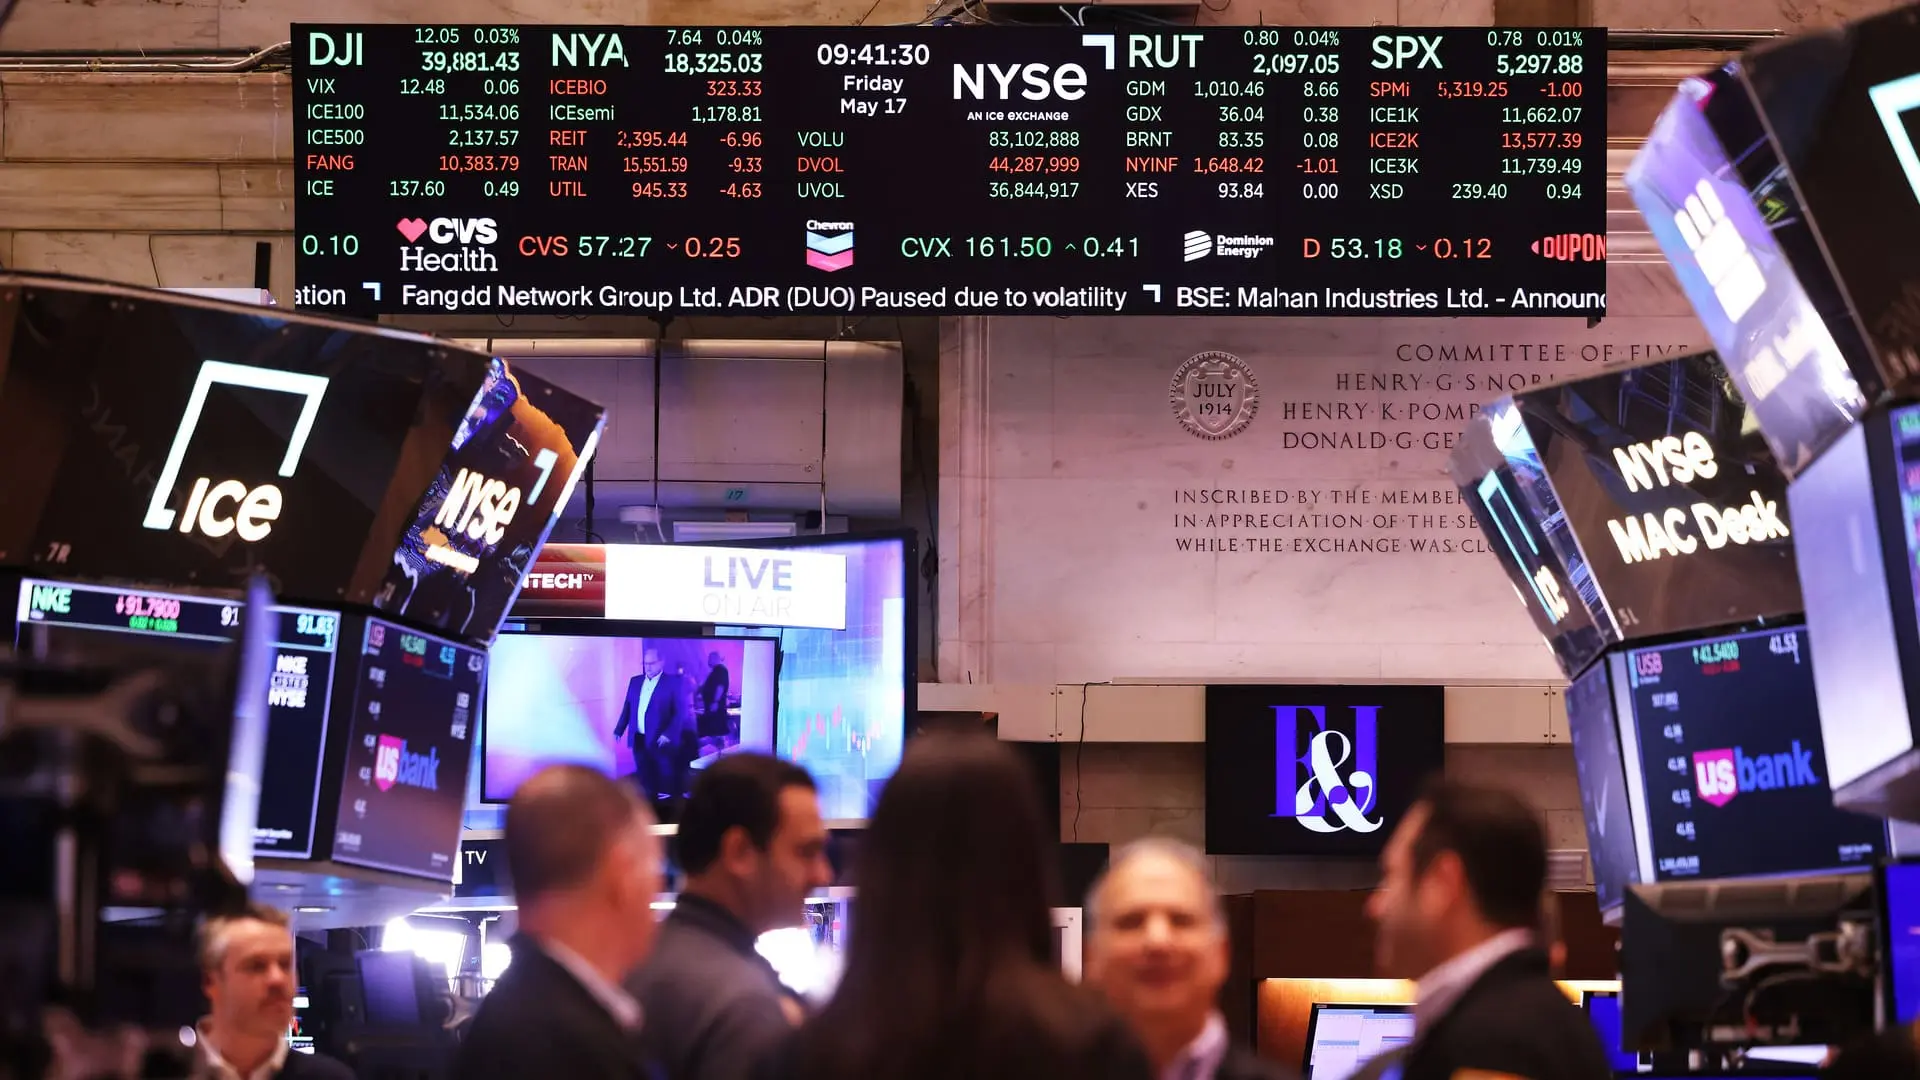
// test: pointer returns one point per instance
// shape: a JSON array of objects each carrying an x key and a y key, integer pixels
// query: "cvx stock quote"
[{"x": 999, "y": 170}]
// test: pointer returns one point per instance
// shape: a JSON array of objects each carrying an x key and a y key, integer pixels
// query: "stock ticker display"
[
  {"x": 1056, "y": 170},
  {"x": 1734, "y": 766}
]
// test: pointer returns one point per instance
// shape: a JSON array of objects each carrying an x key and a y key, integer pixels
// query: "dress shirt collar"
[
  {"x": 717, "y": 921},
  {"x": 1201, "y": 1058},
  {"x": 619, "y": 1004},
  {"x": 1439, "y": 989},
  {"x": 215, "y": 1067}
]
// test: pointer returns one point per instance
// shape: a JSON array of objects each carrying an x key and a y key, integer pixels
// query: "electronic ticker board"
[{"x": 921, "y": 170}]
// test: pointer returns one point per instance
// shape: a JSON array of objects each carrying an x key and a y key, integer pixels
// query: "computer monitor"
[
  {"x": 391, "y": 993},
  {"x": 1343, "y": 1037},
  {"x": 1603, "y": 1011},
  {"x": 1899, "y": 891},
  {"x": 560, "y": 696}
]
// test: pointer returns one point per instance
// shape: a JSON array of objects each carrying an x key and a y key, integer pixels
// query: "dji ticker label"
[{"x": 253, "y": 510}]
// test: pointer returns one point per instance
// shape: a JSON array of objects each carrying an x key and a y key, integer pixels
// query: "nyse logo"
[
  {"x": 217, "y": 508},
  {"x": 1311, "y": 768},
  {"x": 1893, "y": 100},
  {"x": 394, "y": 765},
  {"x": 1067, "y": 82}
]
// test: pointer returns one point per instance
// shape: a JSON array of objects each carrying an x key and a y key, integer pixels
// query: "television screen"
[
  {"x": 1728, "y": 735},
  {"x": 1900, "y": 935},
  {"x": 1316, "y": 770},
  {"x": 404, "y": 784},
  {"x": 1602, "y": 773},
  {"x": 1672, "y": 493},
  {"x": 54, "y": 615},
  {"x": 845, "y": 694},
  {"x": 1603, "y": 1009},
  {"x": 1342, "y": 1038},
  {"x": 656, "y": 709}
]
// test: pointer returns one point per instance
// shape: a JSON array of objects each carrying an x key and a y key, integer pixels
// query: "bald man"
[
  {"x": 586, "y": 869},
  {"x": 1157, "y": 949}
]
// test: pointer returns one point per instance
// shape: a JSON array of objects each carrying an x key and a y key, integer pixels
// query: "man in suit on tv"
[
  {"x": 714, "y": 722},
  {"x": 586, "y": 868},
  {"x": 1157, "y": 950},
  {"x": 658, "y": 722},
  {"x": 1458, "y": 910}
]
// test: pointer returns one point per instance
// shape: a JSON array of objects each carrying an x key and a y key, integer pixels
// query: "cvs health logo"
[
  {"x": 1719, "y": 775},
  {"x": 1329, "y": 767},
  {"x": 394, "y": 765},
  {"x": 464, "y": 242}
]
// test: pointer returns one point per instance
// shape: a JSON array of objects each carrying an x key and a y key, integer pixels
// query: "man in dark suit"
[
  {"x": 754, "y": 848},
  {"x": 658, "y": 723},
  {"x": 585, "y": 868},
  {"x": 714, "y": 691},
  {"x": 247, "y": 971},
  {"x": 1157, "y": 949},
  {"x": 1458, "y": 909}
]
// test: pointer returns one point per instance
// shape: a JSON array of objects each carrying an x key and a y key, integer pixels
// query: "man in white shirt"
[
  {"x": 585, "y": 867},
  {"x": 247, "y": 969},
  {"x": 1157, "y": 949},
  {"x": 657, "y": 722},
  {"x": 1457, "y": 909}
]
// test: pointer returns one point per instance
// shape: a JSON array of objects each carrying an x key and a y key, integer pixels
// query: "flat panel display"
[
  {"x": 1316, "y": 770},
  {"x": 654, "y": 710},
  {"x": 1730, "y": 746},
  {"x": 1900, "y": 936},
  {"x": 1342, "y": 1038},
  {"x": 409, "y": 746},
  {"x": 845, "y": 695},
  {"x": 1139, "y": 169},
  {"x": 1670, "y": 488},
  {"x": 53, "y": 614},
  {"x": 1598, "y": 761}
]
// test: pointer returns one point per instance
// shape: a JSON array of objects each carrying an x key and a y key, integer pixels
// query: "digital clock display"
[{"x": 798, "y": 170}]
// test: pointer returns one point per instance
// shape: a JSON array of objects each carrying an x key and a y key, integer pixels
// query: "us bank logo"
[
  {"x": 830, "y": 245},
  {"x": 1325, "y": 770},
  {"x": 1719, "y": 775},
  {"x": 394, "y": 766}
]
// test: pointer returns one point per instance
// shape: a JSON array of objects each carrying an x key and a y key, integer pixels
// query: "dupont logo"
[
  {"x": 394, "y": 766},
  {"x": 830, "y": 245},
  {"x": 1199, "y": 245},
  {"x": 1572, "y": 247},
  {"x": 1719, "y": 775}
]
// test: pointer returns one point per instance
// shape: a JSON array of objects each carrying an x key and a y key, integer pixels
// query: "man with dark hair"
[
  {"x": 657, "y": 722},
  {"x": 1458, "y": 909},
  {"x": 248, "y": 971},
  {"x": 586, "y": 868},
  {"x": 753, "y": 846},
  {"x": 714, "y": 691}
]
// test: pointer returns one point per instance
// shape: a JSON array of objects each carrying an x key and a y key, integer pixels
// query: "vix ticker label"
[
  {"x": 1719, "y": 775},
  {"x": 395, "y": 766},
  {"x": 1325, "y": 769}
]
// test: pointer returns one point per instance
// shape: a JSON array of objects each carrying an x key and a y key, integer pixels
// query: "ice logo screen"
[
  {"x": 1719, "y": 775},
  {"x": 394, "y": 765},
  {"x": 1893, "y": 100},
  {"x": 1325, "y": 800}
]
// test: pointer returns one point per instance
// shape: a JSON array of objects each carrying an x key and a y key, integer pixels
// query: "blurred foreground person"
[
  {"x": 1458, "y": 908},
  {"x": 247, "y": 970},
  {"x": 950, "y": 973},
  {"x": 585, "y": 870},
  {"x": 1157, "y": 951},
  {"x": 753, "y": 846}
]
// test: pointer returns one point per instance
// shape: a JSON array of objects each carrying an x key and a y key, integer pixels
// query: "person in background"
[
  {"x": 950, "y": 973},
  {"x": 753, "y": 847},
  {"x": 658, "y": 723},
  {"x": 1458, "y": 908},
  {"x": 585, "y": 867},
  {"x": 1157, "y": 950},
  {"x": 247, "y": 970},
  {"x": 714, "y": 691}
]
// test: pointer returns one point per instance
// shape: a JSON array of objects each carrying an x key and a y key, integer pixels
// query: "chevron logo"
[{"x": 829, "y": 245}]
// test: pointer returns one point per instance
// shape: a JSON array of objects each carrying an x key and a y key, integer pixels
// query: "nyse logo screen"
[{"x": 1316, "y": 770}]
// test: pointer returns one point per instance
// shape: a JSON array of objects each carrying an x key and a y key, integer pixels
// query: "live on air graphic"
[{"x": 829, "y": 245}]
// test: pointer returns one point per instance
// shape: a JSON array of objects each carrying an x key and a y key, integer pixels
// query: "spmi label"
[{"x": 1678, "y": 531}]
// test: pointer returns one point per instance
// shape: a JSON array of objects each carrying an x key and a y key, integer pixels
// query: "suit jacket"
[
  {"x": 1512, "y": 1020},
  {"x": 713, "y": 1003},
  {"x": 1245, "y": 1065},
  {"x": 669, "y": 713},
  {"x": 539, "y": 1022}
]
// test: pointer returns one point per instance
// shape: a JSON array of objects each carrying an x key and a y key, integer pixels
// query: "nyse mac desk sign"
[
  {"x": 1317, "y": 770},
  {"x": 1673, "y": 494}
]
